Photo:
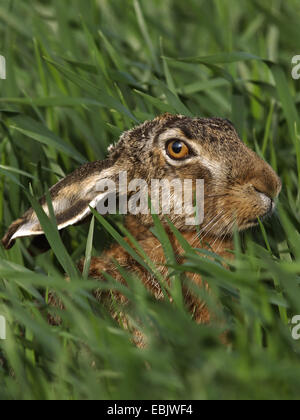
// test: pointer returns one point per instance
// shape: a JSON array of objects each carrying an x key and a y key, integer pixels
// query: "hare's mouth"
[
  {"x": 270, "y": 210},
  {"x": 264, "y": 216}
]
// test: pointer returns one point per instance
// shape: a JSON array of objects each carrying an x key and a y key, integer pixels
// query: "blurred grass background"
[{"x": 79, "y": 73}]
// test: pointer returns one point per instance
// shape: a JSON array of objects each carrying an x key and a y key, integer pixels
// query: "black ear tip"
[{"x": 7, "y": 242}]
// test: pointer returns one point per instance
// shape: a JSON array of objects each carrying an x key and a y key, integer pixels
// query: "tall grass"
[{"x": 79, "y": 74}]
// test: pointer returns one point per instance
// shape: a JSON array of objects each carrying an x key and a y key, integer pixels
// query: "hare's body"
[
  {"x": 239, "y": 187},
  {"x": 153, "y": 248}
]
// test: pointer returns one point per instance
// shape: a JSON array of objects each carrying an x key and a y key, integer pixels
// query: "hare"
[{"x": 239, "y": 188}]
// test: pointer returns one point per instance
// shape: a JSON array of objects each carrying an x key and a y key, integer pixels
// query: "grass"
[{"x": 78, "y": 77}]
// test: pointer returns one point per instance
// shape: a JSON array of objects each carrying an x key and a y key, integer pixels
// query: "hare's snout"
[
  {"x": 258, "y": 194},
  {"x": 249, "y": 194},
  {"x": 267, "y": 202},
  {"x": 266, "y": 182},
  {"x": 267, "y": 186}
]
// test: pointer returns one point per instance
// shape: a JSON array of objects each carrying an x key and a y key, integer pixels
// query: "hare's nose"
[{"x": 268, "y": 201}]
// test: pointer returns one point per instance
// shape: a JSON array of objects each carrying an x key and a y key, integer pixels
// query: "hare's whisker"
[
  {"x": 198, "y": 234},
  {"x": 217, "y": 238},
  {"x": 211, "y": 228},
  {"x": 224, "y": 229},
  {"x": 229, "y": 227},
  {"x": 210, "y": 222},
  {"x": 206, "y": 232}
]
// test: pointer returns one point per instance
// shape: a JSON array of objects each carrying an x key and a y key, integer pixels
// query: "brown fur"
[
  {"x": 154, "y": 250},
  {"x": 239, "y": 188}
]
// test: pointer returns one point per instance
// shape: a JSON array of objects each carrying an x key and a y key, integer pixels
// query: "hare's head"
[{"x": 239, "y": 187}]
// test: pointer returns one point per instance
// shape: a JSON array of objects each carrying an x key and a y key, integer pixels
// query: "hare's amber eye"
[{"x": 178, "y": 150}]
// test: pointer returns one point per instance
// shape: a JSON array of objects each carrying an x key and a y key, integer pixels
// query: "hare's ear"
[{"x": 72, "y": 198}]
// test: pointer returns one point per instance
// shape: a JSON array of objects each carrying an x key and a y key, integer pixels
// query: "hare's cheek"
[
  {"x": 157, "y": 159},
  {"x": 238, "y": 209}
]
